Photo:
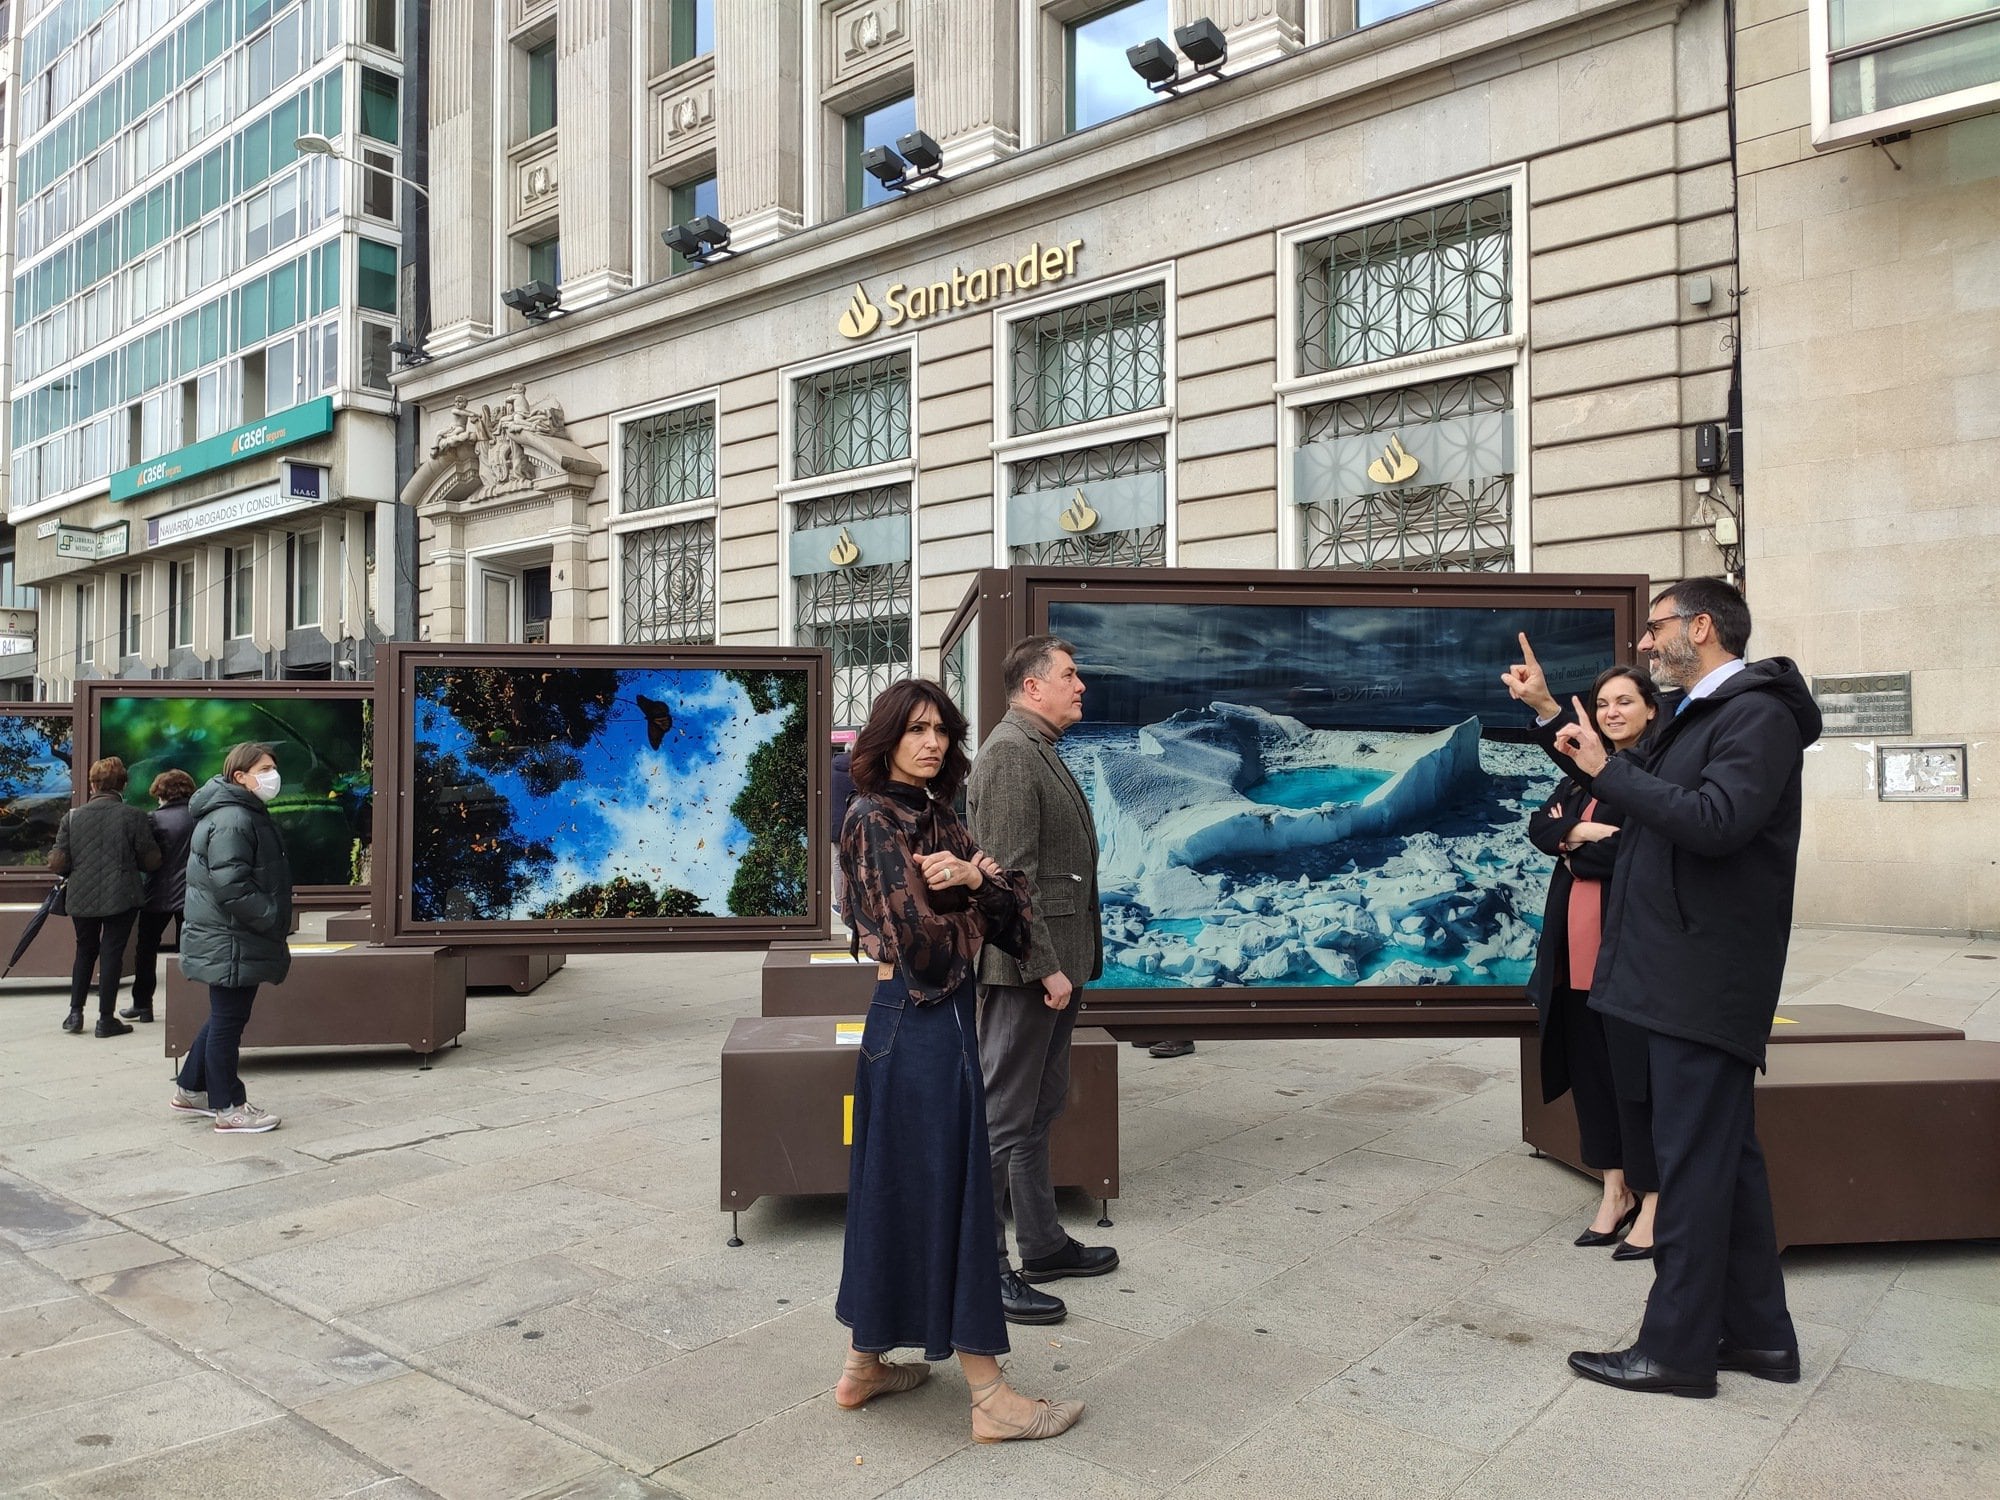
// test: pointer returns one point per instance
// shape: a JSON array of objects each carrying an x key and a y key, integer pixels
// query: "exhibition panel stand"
[
  {"x": 35, "y": 791},
  {"x": 339, "y": 995},
  {"x": 485, "y": 968}
]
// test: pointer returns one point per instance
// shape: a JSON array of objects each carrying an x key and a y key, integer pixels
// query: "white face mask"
[{"x": 267, "y": 783}]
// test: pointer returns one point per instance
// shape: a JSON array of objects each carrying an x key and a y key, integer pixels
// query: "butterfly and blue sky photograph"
[{"x": 564, "y": 793}]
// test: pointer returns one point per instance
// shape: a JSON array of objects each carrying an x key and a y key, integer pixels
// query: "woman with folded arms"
[{"x": 918, "y": 1269}]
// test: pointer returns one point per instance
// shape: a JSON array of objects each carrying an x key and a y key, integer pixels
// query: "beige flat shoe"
[
  {"x": 892, "y": 1379},
  {"x": 1051, "y": 1419}
]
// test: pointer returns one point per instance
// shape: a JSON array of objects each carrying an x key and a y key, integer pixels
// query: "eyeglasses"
[{"x": 1653, "y": 627}]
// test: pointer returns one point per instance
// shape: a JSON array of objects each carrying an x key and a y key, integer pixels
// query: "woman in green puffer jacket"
[{"x": 233, "y": 929}]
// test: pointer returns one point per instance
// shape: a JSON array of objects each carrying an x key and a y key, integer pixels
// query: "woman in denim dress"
[{"x": 918, "y": 1269}]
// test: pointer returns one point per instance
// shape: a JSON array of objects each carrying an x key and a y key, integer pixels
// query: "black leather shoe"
[
  {"x": 1171, "y": 1049},
  {"x": 1590, "y": 1239},
  {"x": 1072, "y": 1260},
  {"x": 112, "y": 1026},
  {"x": 73, "y": 1022},
  {"x": 1629, "y": 1370},
  {"x": 138, "y": 1013},
  {"x": 1630, "y": 1251},
  {"x": 1023, "y": 1304},
  {"x": 1781, "y": 1365}
]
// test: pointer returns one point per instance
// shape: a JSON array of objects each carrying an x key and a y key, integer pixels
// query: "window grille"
[
  {"x": 860, "y": 613},
  {"x": 669, "y": 583},
  {"x": 668, "y": 459},
  {"x": 852, "y": 416},
  {"x": 1094, "y": 360},
  {"x": 1139, "y": 547}
]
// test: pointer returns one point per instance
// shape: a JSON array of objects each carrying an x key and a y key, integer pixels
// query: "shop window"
[
  {"x": 239, "y": 582},
  {"x": 668, "y": 459},
  {"x": 851, "y": 416},
  {"x": 859, "y": 608},
  {"x": 542, "y": 88},
  {"x": 692, "y": 30},
  {"x": 1099, "y": 83},
  {"x": 1090, "y": 361},
  {"x": 668, "y": 582},
  {"x": 1879, "y": 68},
  {"x": 1423, "y": 280},
  {"x": 883, "y": 125}
]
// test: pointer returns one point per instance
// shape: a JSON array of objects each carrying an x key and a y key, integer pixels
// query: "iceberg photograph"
[
  {"x": 544, "y": 794},
  {"x": 1316, "y": 795}
]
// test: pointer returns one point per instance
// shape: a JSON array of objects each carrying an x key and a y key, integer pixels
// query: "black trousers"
[
  {"x": 1715, "y": 1256},
  {"x": 146, "y": 959},
  {"x": 100, "y": 945},
  {"x": 1613, "y": 1131}
]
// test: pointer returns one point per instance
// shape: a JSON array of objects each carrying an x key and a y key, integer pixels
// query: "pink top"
[{"x": 1586, "y": 921}]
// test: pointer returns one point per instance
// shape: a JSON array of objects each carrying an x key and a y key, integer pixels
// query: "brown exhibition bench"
[
  {"x": 1875, "y": 1128},
  {"x": 339, "y": 995},
  {"x": 485, "y": 968},
  {"x": 787, "y": 1097},
  {"x": 53, "y": 952}
]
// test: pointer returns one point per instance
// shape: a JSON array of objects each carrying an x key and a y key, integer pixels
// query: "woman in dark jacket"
[
  {"x": 1578, "y": 1043},
  {"x": 104, "y": 848},
  {"x": 166, "y": 890},
  {"x": 918, "y": 1268},
  {"x": 234, "y": 930}
]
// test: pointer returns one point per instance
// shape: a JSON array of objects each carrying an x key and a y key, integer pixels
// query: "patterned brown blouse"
[{"x": 932, "y": 937}]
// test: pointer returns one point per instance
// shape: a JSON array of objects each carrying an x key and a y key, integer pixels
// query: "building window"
[
  {"x": 1420, "y": 478},
  {"x": 1090, "y": 361},
  {"x": 1423, "y": 280},
  {"x": 378, "y": 24},
  {"x": 129, "y": 614},
  {"x": 86, "y": 625},
  {"x": 239, "y": 579},
  {"x": 883, "y": 125},
  {"x": 378, "y": 185},
  {"x": 381, "y": 106},
  {"x": 1119, "y": 488},
  {"x": 180, "y": 604},
  {"x": 692, "y": 27},
  {"x": 377, "y": 288},
  {"x": 667, "y": 459},
  {"x": 1880, "y": 68},
  {"x": 1370, "y": 12},
  {"x": 688, "y": 201},
  {"x": 1099, "y": 83},
  {"x": 378, "y": 361},
  {"x": 542, "y": 88},
  {"x": 537, "y": 605},
  {"x": 302, "y": 570},
  {"x": 545, "y": 261},
  {"x": 859, "y": 608},
  {"x": 668, "y": 577},
  {"x": 852, "y": 416}
]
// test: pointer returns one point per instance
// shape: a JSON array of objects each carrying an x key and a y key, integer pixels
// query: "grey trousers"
[{"x": 1024, "y": 1058}]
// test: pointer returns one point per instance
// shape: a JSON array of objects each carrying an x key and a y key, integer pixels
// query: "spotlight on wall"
[
  {"x": 409, "y": 355},
  {"x": 699, "y": 240},
  {"x": 916, "y": 162},
  {"x": 1203, "y": 44},
  {"x": 537, "y": 301}
]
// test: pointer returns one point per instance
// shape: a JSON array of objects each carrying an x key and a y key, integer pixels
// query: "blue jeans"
[{"x": 211, "y": 1062}]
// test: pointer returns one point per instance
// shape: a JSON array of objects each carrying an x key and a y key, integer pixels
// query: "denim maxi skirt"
[{"x": 919, "y": 1270}]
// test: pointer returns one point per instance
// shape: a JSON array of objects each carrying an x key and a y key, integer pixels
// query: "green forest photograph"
[
  {"x": 34, "y": 786},
  {"x": 567, "y": 793},
  {"x": 325, "y": 753}
]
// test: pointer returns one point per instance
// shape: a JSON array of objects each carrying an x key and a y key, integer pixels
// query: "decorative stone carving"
[
  {"x": 864, "y": 36},
  {"x": 537, "y": 182},
  {"x": 494, "y": 452}
]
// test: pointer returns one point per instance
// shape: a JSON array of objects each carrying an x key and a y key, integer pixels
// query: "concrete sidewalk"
[{"x": 1343, "y": 1275}]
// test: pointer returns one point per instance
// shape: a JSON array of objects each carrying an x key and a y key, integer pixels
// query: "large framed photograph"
[
  {"x": 1311, "y": 791},
  {"x": 602, "y": 796},
  {"x": 34, "y": 793},
  {"x": 322, "y": 734}
]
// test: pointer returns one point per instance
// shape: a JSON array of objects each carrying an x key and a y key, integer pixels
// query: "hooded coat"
[
  {"x": 239, "y": 892},
  {"x": 173, "y": 831},
  {"x": 1700, "y": 908}
]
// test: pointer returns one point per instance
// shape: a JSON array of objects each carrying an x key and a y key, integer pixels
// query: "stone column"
[
  {"x": 594, "y": 147},
  {"x": 759, "y": 119},
  {"x": 967, "y": 55},
  {"x": 1258, "y": 30},
  {"x": 462, "y": 126},
  {"x": 569, "y": 568}
]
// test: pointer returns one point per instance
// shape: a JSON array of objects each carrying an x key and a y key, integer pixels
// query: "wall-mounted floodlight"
[
  {"x": 409, "y": 355},
  {"x": 1201, "y": 42},
  {"x": 916, "y": 162},
  {"x": 699, "y": 240},
  {"x": 537, "y": 301}
]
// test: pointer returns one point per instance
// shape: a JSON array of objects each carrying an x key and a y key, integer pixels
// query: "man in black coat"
[{"x": 1698, "y": 920}]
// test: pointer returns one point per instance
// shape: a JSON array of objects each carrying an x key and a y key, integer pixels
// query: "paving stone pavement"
[{"x": 1343, "y": 1275}]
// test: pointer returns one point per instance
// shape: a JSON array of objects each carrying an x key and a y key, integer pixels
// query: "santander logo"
[{"x": 861, "y": 317}]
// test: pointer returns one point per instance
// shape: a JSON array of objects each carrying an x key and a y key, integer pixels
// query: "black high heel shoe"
[
  {"x": 1590, "y": 1239},
  {"x": 1633, "y": 1252}
]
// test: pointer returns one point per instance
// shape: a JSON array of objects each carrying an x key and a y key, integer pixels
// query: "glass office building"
[{"x": 201, "y": 425}]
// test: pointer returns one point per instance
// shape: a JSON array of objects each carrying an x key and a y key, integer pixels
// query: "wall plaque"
[
  {"x": 1874, "y": 703},
  {"x": 1920, "y": 773}
]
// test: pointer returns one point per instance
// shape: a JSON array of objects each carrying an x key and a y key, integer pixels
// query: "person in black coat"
[
  {"x": 1582, "y": 834},
  {"x": 104, "y": 848},
  {"x": 1694, "y": 947},
  {"x": 166, "y": 887}
]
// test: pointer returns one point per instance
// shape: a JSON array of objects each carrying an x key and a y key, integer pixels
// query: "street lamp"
[{"x": 319, "y": 145}]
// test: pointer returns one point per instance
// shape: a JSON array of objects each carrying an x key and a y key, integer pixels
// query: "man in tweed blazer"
[{"x": 1029, "y": 814}]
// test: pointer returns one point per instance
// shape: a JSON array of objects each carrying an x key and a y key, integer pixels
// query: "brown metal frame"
[
  {"x": 396, "y": 664},
  {"x": 26, "y": 882},
  {"x": 91, "y": 692},
  {"x": 1014, "y": 602}
]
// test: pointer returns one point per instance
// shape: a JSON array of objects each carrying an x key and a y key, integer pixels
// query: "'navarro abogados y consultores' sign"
[
  {"x": 313, "y": 419},
  {"x": 912, "y": 304}
]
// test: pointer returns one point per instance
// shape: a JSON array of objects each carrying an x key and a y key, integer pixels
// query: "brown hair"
[
  {"x": 874, "y": 748},
  {"x": 171, "y": 786},
  {"x": 242, "y": 757},
  {"x": 1640, "y": 680},
  {"x": 1030, "y": 658},
  {"x": 108, "y": 775}
]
